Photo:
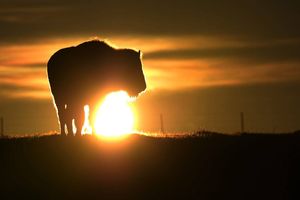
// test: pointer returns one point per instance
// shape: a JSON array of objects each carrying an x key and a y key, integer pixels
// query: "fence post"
[
  {"x": 242, "y": 123},
  {"x": 1, "y": 127},
  {"x": 162, "y": 124}
]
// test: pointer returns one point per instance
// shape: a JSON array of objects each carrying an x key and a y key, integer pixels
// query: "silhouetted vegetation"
[{"x": 210, "y": 166}]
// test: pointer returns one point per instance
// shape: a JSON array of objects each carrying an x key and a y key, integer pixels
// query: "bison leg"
[
  {"x": 69, "y": 118},
  {"x": 79, "y": 118},
  {"x": 62, "y": 118}
]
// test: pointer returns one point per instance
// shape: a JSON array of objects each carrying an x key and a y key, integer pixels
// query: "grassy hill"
[{"x": 249, "y": 166}]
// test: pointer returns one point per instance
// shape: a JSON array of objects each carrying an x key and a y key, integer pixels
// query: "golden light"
[{"x": 114, "y": 117}]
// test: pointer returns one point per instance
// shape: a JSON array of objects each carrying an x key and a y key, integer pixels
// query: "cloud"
[
  {"x": 289, "y": 52},
  {"x": 173, "y": 74},
  {"x": 11, "y": 91},
  {"x": 207, "y": 61},
  {"x": 212, "y": 43},
  {"x": 251, "y": 20},
  {"x": 28, "y": 65},
  {"x": 24, "y": 84}
]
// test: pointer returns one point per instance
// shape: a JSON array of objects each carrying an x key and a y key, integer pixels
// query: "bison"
[{"x": 84, "y": 74}]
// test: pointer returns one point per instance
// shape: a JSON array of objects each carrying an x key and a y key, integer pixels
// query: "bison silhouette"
[{"x": 84, "y": 74}]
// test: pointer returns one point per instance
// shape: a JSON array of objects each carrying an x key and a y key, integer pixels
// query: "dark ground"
[{"x": 250, "y": 166}]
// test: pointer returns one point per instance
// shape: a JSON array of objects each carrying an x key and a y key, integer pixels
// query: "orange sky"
[
  {"x": 24, "y": 65},
  {"x": 204, "y": 61}
]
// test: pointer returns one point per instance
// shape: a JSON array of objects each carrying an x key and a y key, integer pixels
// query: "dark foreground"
[{"x": 213, "y": 167}]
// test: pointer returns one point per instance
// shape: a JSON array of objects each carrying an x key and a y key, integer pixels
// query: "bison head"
[{"x": 127, "y": 73}]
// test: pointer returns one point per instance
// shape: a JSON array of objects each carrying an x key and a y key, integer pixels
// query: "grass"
[{"x": 202, "y": 166}]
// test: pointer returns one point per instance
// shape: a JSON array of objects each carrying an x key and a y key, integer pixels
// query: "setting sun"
[{"x": 114, "y": 117}]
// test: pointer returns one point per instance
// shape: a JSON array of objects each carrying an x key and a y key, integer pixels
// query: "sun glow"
[{"x": 115, "y": 116}]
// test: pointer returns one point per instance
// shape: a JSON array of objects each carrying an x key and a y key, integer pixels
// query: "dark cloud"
[
  {"x": 34, "y": 65},
  {"x": 30, "y": 20},
  {"x": 11, "y": 88},
  {"x": 22, "y": 76},
  {"x": 248, "y": 54},
  {"x": 30, "y": 65}
]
